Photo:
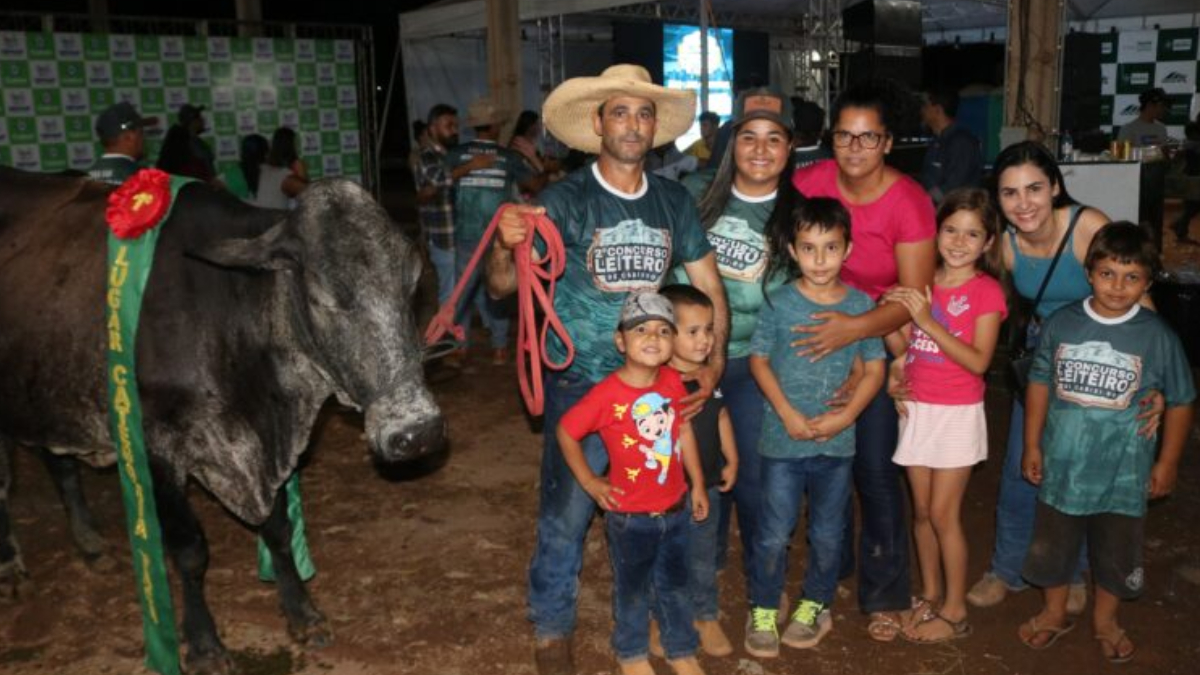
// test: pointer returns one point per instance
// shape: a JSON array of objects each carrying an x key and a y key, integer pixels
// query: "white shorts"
[{"x": 942, "y": 436}]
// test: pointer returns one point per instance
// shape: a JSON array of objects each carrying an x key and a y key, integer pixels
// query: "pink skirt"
[{"x": 942, "y": 436}]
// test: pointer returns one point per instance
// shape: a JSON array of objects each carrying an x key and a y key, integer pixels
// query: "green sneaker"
[
  {"x": 762, "y": 633},
  {"x": 810, "y": 622}
]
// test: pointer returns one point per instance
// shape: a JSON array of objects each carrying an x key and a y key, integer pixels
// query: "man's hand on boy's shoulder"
[{"x": 707, "y": 377}]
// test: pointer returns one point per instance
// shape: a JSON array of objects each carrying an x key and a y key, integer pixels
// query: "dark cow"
[{"x": 251, "y": 320}]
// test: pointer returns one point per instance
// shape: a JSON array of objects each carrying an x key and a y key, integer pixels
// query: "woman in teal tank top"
[{"x": 1030, "y": 192}]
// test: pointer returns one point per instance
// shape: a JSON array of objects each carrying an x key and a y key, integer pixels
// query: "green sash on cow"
[
  {"x": 134, "y": 212},
  {"x": 304, "y": 563}
]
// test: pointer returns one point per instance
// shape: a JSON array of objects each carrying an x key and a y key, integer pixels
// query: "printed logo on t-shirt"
[
  {"x": 1095, "y": 375},
  {"x": 629, "y": 256},
  {"x": 923, "y": 347},
  {"x": 957, "y": 305},
  {"x": 741, "y": 252}
]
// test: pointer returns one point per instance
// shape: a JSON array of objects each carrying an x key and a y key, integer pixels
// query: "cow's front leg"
[
  {"x": 64, "y": 470},
  {"x": 14, "y": 580},
  {"x": 185, "y": 541},
  {"x": 306, "y": 624}
]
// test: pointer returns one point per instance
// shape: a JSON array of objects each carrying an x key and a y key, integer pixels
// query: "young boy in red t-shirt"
[{"x": 635, "y": 411}]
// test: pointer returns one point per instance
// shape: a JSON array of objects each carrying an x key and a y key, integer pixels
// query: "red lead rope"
[{"x": 535, "y": 282}]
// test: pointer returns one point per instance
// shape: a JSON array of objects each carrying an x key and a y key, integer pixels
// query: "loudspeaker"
[
  {"x": 889, "y": 22},
  {"x": 869, "y": 64},
  {"x": 1079, "y": 108}
]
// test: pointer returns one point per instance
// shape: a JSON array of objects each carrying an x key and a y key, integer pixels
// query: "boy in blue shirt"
[
  {"x": 806, "y": 447},
  {"x": 1097, "y": 358}
]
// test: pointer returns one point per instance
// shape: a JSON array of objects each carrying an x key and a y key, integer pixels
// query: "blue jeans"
[
  {"x": 564, "y": 513},
  {"x": 883, "y": 569},
  {"x": 650, "y": 573},
  {"x": 702, "y": 561},
  {"x": 744, "y": 400},
  {"x": 826, "y": 481},
  {"x": 1015, "y": 508},
  {"x": 475, "y": 293},
  {"x": 443, "y": 263}
]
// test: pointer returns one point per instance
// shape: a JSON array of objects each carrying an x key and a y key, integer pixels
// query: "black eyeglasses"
[{"x": 867, "y": 140}]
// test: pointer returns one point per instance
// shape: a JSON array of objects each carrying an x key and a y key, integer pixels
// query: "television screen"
[{"x": 681, "y": 70}]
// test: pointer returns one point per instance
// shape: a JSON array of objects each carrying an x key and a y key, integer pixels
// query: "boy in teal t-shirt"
[{"x": 1095, "y": 472}]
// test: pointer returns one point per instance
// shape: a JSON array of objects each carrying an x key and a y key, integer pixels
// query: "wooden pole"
[
  {"x": 1033, "y": 66},
  {"x": 504, "y": 59}
]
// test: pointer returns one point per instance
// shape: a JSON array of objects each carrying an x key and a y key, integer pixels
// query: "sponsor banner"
[
  {"x": 1177, "y": 44},
  {"x": 1140, "y": 46},
  {"x": 1125, "y": 108},
  {"x": 1108, "y": 79},
  {"x": 1179, "y": 111},
  {"x": 1134, "y": 78},
  {"x": 53, "y": 85},
  {"x": 1176, "y": 77}
]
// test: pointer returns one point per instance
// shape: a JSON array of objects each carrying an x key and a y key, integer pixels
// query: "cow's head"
[{"x": 351, "y": 276}]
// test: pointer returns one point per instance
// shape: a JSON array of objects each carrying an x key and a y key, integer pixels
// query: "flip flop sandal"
[
  {"x": 884, "y": 626},
  {"x": 958, "y": 631},
  {"x": 922, "y": 610},
  {"x": 1111, "y": 649},
  {"x": 1035, "y": 630}
]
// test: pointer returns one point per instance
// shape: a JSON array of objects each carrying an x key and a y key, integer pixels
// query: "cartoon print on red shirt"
[{"x": 654, "y": 418}]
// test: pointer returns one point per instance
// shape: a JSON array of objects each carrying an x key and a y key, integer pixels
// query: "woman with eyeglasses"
[{"x": 893, "y": 229}]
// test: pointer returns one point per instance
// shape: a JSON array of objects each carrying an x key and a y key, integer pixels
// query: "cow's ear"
[{"x": 272, "y": 250}]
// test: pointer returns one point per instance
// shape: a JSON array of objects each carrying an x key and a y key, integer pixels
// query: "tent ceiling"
[{"x": 454, "y": 16}]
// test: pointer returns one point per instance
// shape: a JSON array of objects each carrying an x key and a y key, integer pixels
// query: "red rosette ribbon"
[{"x": 139, "y": 204}]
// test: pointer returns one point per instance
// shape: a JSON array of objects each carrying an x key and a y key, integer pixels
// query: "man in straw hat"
[{"x": 623, "y": 230}]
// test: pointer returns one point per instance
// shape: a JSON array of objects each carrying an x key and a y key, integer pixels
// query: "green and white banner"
[
  {"x": 1134, "y": 61},
  {"x": 55, "y": 84}
]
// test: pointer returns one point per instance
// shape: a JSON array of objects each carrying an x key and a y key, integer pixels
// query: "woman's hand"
[
  {"x": 1152, "y": 404},
  {"x": 832, "y": 331},
  {"x": 917, "y": 303}
]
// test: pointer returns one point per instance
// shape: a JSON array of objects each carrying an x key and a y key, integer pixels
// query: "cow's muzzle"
[{"x": 404, "y": 440}]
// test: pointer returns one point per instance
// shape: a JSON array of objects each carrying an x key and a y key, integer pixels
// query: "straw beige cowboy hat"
[{"x": 570, "y": 108}]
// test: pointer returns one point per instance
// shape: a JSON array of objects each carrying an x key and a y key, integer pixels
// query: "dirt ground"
[{"x": 421, "y": 570}]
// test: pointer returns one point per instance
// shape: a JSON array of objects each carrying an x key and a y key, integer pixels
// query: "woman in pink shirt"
[{"x": 892, "y": 223}]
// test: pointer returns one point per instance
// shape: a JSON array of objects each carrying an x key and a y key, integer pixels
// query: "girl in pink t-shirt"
[{"x": 942, "y": 356}]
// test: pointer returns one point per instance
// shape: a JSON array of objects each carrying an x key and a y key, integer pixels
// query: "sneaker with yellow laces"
[
  {"x": 810, "y": 622},
  {"x": 762, "y": 633}
]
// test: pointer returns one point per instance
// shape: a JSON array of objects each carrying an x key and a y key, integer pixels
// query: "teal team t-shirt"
[
  {"x": 741, "y": 248},
  {"x": 478, "y": 194},
  {"x": 615, "y": 243},
  {"x": 1093, "y": 460},
  {"x": 806, "y": 384}
]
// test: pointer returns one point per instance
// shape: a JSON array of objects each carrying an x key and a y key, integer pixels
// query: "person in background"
[
  {"x": 702, "y": 148},
  {"x": 954, "y": 158},
  {"x": 175, "y": 155},
  {"x": 122, "y": 133},
  {"x": 435, "y": 201},
  {"x": 241, "y": 179},
  {"x": 807, "y": 145},
  {"x": 202, "y": 162},
  {"x": 526, "y": 134},
  {"x": 420, "y": 139},
  {"x": 283, "y": 176},
  {"x": 486, "y": 176},
  {"x": 1147, "y": 128}
]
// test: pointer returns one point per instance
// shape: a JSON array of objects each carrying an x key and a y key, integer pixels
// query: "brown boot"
[
  {"x": 712, "y": 639},
  {"x": 686, "y": 666},
  {"x": 553, "y": 657},
  {"x": 656, "y": 648},
  {"x": 641, "y": 667}
]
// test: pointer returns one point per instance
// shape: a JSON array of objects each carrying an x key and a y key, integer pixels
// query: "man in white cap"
[
  {"x": 485, "y": 177},
  {"x": 623, "y": 230}
]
